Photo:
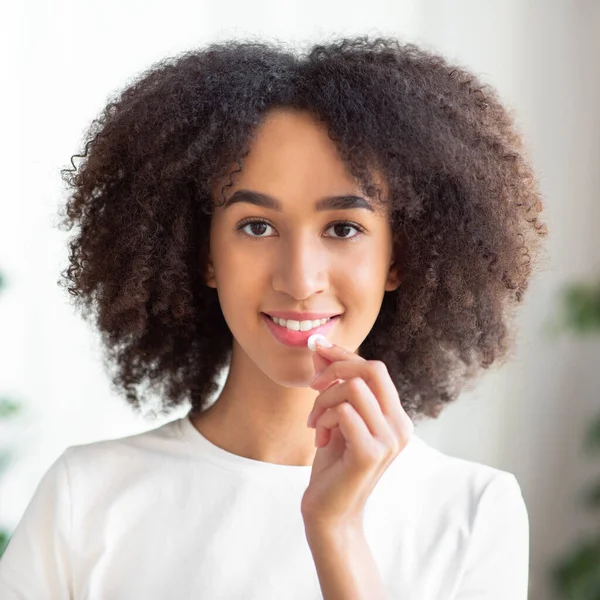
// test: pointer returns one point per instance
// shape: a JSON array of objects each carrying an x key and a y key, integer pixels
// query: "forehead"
[{"x": 292, "y": 158}]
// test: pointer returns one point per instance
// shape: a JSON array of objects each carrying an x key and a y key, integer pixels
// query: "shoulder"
[
  {"x": 451, "y": 482},
  {"x": 113, "y": 458}
]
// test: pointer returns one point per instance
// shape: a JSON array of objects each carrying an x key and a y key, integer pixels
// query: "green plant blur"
[{"x": 576, "y": 575}]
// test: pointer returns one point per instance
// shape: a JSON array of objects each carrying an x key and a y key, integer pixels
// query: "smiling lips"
[
  {"x": 297, "y": 338},
  {"x": 302, "y": 324},
  {"x": 302, "y": 316}
]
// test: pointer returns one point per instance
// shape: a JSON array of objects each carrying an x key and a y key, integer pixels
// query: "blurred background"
[{"x": 537, "y": 417}]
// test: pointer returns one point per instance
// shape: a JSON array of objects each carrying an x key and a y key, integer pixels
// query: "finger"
[
  {"x": 373, "y": 373},
  {"x": 333, "y": 352},
  {"x": 353, "y": 429},
  {"x": 355, "y": 392},
  {"x": 322, "y": 436},
  {"x": 321, "y": 360},
  {"x": 319, "y": 364}
]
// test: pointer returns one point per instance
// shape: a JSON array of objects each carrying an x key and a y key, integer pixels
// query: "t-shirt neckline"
[{"x": 203, "y": 447}]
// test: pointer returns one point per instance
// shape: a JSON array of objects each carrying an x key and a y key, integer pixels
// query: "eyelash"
[{"x": 253, "y": 221}]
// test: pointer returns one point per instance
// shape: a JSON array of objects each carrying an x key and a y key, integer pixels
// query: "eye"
[{"x": 341, "y": 225}]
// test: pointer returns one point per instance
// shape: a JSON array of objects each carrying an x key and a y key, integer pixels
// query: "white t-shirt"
[{"x": 168, "y": 514}]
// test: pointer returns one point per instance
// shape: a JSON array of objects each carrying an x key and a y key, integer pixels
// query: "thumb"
[{"x": 319, "y": 361}]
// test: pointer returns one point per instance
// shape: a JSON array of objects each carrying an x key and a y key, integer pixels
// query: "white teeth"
[{"x": 299, "y": 325}]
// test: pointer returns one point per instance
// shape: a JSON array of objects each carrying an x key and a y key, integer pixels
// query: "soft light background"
[{"x": 61, "y": 61}]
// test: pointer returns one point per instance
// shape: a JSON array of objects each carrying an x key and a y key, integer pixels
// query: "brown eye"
[
  {"x": 342, "y": 228},
  {"x": 257, "y": 228}
]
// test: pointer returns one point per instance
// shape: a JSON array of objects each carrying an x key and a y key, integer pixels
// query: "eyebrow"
[{"x": 343, "y": 202}]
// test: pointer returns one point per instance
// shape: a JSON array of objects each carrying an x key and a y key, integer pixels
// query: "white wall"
[
  {"x": 543, "y": 57},
  {"x": 62, "y": 61}
]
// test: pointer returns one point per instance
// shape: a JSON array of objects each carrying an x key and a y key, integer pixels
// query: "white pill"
[{"x": 311, "y": 342}]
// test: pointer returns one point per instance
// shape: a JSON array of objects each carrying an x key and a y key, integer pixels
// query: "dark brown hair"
[{"x": 463, "y": 199}]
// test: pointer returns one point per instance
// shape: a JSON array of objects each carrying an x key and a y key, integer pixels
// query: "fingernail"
[{"x": 318, "y": 338}]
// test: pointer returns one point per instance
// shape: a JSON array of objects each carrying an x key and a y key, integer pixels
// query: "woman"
[{"x": 233, "y": 203}]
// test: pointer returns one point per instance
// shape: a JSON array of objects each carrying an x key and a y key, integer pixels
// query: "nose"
[{"x": 300, "y": 269}]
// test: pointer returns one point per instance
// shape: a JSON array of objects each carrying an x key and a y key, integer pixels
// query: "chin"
[{"x": 289, "y": 377}]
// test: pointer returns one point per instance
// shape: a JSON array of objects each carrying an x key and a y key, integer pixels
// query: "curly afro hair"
[{"x": 464, "y": 206}]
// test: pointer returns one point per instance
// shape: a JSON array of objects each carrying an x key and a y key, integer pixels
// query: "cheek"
[
  {"x": 362, "y": 285},
  {"x": 365, "y": 270},
  {"x": 231, "y": 259},
  {"x": 234, "y": 272}
]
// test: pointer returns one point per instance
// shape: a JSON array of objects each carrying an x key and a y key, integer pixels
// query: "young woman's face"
[{"x": 297, "y": 258}]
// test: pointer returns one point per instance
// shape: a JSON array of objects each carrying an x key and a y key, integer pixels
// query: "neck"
[{"x": 258, "y": 418}]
